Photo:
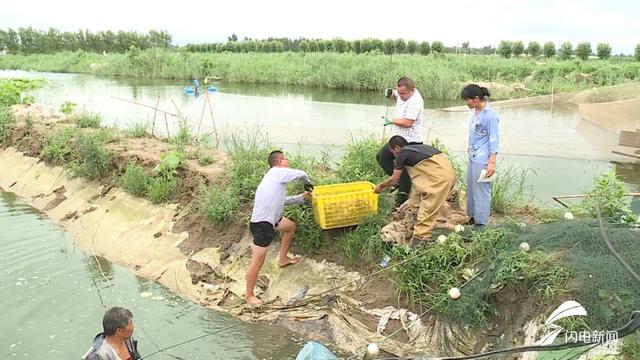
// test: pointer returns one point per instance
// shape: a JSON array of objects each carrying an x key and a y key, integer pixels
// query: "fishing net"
[{"x": 565, "y": 260}]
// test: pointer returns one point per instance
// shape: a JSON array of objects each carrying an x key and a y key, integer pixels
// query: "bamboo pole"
[
  {"x": 204, "y": 106},
  {"x": 166, "y": 124},
  {"x": 177, "y": 110},
  {"x": 558, "y": 197},
  {"x": 215, "y": 131},
  {"x": 145, "y": 105},
  {"x": 155, "y": 112}
]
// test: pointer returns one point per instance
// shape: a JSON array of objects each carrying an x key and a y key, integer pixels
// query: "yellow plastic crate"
[{"x": 341, "y": 205}]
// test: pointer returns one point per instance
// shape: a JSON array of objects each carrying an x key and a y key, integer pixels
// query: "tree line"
[
  {"x": 31, "y": 41},
  {"x": 582, "y": 50},
  {"x": 505, "y": 48},
  {"x": 388, "y": 46}
]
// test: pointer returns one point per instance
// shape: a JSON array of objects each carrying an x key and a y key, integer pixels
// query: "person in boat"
[
  {"x": 116, "y": 341},
  {"x": 406, "y": 122},
  {"x": 267, "y": 218},
  {"x": 432, "y": 177},
  {"x": 484, "y": 141}
]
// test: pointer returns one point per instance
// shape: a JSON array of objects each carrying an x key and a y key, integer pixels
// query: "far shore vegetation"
[{"x": 511, "y": 69}]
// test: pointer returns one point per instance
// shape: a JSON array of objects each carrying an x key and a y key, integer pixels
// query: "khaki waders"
[{"x": 432, "y": 180}]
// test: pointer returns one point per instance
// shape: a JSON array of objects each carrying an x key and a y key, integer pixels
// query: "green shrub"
[
  {"x": 249, "y": 162},
  {"x": 67, "y": 107},
  {"x": 183, "y": 137},
  {"x": 509, "y": 190},
  {"x": 608, "y": 195},
  {"x": 162, "y": 189},
  {"x": 170, "y": 163},
  {"x": 6, "y": 122},
  {"x": 308, "y": 234},
  {"x": 630, "y": 349},
  {"x": 138, "y": 130},
  {"x": 219, "y": 205},
  {"x": 205, "y": 159},
  {"x": 135, "y": 179},
  {"x": 359, "y": 161},
  {"x": 88, "y": 120},
  {"x": 92, "y": 158},
  {"x": 57, "y": 147},
  {"x": 364, "y": 241}
]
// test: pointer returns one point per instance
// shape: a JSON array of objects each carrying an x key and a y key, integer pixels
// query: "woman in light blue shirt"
[{"x": 484, "y": 141}]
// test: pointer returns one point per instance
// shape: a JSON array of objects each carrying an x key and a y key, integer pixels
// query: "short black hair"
[
  {"x": 406, "y": 82},
  {"x": 397, "y": 140},
  {"x": 115, "y": 318},
  {"x": 274, "y": 157}
]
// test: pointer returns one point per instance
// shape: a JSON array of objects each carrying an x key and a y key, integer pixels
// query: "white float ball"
[
  {"x": 459, "y": 228},
  {"x": 442, "y": 239},
  {"x": 568, "y": 215},
  {"x": 454, "y": 293},
  {"x": 373, "y": 349},
  {"x": 524, "y": 246}
]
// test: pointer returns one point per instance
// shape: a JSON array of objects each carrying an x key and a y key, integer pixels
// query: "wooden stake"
[
  {"x": 145, "y": 105},
  {"x": 166, "y": 124},
  {"x": 215, "y": 131},
  {"x": 204, "y": 105},
  {"x": 155, "y": 111},
  {"x": 557, "y": 198}
]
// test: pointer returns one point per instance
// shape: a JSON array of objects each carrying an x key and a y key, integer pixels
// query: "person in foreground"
[
  {"x": 484, "y": 141},
  {"x": 116, "y": 341},
  {"x": 267, "y": 217},
  {"x": 432, "y": 179}
]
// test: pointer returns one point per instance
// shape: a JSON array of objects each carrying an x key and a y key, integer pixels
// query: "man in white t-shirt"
[
  {"x": 266, "y": 218},
  {"x": 406, "y": 122}
]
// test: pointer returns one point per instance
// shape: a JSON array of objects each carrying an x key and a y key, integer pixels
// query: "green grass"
[
  {"x": 162, "y": 189},
  {"x": 205, "y": 159},
  {"x": 12, "y": 91},
  {"x": 630, "y": 349},
  {"x": 509, "y": 190},
  {"x": 438, "y": 77},
  {"x": 308, "y": 234},
  {"x": 88, "y": 120},
  {"x": 183, "y": 137},
  {"x": 135, "y": 180},
  {"x": 6, "y": 123},
  {"x": 67, "y": 107},
  {"x": 432, "y": 269},
  {"x": 608, "y": 195},
  {"x": 364, "y": 242},
  {"x": 138, "y": 130},
  {"x": 93, "y": 160},
  {"x": 359, "y": 161},
  {"x": 57, "y": 147},
  {"x": 219, "y": 205}
]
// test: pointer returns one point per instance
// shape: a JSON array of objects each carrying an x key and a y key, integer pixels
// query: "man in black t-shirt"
[{"x": 432, "y": 178}]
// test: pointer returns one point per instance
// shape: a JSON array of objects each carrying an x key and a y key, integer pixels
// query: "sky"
[{"x": 481, "y": 23}]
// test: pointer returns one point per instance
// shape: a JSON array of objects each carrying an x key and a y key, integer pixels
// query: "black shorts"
[{"x": 263, "y": 233}]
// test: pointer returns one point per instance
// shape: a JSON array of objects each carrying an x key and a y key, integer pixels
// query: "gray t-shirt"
[{"x": 271, "y": 195}]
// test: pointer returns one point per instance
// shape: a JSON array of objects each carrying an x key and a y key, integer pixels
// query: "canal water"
[{"x": 53, "y": 295}]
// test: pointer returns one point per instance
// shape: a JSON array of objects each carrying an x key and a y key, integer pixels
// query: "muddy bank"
[{"x": 176, "y": 246}]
